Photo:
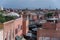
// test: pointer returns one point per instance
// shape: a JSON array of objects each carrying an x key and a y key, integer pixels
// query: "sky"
[{"x": 50, "y": 4}]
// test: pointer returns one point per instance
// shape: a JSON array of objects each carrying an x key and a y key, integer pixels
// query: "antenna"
[{"x": 49, "y": 6}]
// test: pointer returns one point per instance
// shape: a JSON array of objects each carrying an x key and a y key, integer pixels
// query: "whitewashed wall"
[{"x": 1, "y": 34}]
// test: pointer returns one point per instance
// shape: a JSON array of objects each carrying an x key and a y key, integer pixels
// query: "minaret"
[{"x": 1, "y": 8}]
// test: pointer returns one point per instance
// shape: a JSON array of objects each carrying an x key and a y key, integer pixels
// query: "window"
[
  {"x": 18, "y": 38},
  {"x": 13, "y": 33},
  {"x": 19, "y": 27},
  {"x": 48, "y": 38},
  {"x": 44, "y": 38},
  {"x": 16, "y": 31}
]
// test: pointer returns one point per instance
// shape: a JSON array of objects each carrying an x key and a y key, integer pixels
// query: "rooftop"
[{"x": 7, "y": 17}]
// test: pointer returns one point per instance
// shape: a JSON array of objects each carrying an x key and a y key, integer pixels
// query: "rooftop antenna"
[{"x": 49, "y": 6}]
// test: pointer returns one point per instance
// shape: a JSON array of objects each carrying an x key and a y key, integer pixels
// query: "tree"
[
  {"x": 49, "y": 15},
  {"x": 6, "y": 18}
]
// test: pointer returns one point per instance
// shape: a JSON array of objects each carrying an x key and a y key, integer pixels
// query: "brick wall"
[
  {"x": 58, "y": 26},
  {"x": 49, "y": 25},
  {"x": 48, "y": 34}
]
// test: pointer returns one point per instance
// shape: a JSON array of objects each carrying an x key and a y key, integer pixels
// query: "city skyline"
[{"x": 49, "y": 4}]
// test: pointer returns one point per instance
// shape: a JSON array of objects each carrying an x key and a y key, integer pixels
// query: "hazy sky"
[{"x": 30, "y": 3}]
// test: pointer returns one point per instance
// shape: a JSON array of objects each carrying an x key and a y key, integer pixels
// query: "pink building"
[{"x": 14, "y": 28}]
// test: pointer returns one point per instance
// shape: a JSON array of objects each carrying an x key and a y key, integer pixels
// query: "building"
[
  {"x": 44, "y": 34},
  {"x": 14, "y": 29},
  {"x": 49, "y": 31}
]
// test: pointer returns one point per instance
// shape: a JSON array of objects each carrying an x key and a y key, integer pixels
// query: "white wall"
[
  {"x": 1, "y": 34},
  {"x": 59, "y": 15}
]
